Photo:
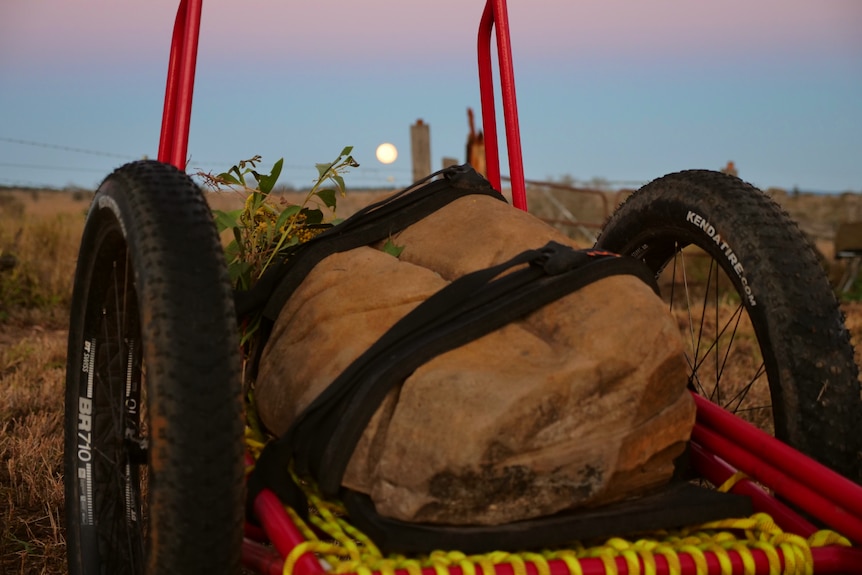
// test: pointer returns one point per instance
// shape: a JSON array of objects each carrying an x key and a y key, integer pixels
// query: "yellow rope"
[
  {"x": 351, "y": 551},
  {"x": 731, "y": 481}
]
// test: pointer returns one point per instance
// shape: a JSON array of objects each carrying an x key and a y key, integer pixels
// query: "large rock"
[{"x": 581, "y": 403}]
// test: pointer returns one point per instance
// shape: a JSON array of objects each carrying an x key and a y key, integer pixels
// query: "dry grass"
[
  {"x": 43, "y": 231},
  {"x": 32, "y": 368}
]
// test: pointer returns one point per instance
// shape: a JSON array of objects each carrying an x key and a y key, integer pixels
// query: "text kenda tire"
[
  {"x": 729, "y": 257},
  {"x": 153, "y": 430}
]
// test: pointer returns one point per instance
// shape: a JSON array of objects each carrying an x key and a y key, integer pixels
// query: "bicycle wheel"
[
  {"x": 766, "y": 338},
  {"x": 153, "y": 429}
]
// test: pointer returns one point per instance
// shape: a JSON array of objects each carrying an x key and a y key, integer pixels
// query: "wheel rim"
[
  {"x": 722, "y": 348},
  {"x": 114, "y": 486}
]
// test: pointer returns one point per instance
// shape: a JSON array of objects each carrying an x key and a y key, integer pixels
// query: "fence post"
[
  {"x": 420, "y": 149},
  {"x": 449, "y": 162},
  {"x": 476, "y": 146}
]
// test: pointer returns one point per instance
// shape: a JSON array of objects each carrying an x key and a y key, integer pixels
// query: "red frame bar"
[
  {"x": 718, "y": 471},
  {"x": 812, "y": 487},
  {"x": 261, "y": 559},
  {"x": 179, "y": 87},
  {"x": 496, "y": 16},
  {"x": 780, "y": 455},
  {"x": 283, "y": 532}
]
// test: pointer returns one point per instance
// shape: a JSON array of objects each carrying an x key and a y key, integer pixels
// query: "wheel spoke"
[
  {"x": 711, "y": 337},
  {"x": 687, "y": 299},
  {"x": 701, "y": 326},
  {"x": 715, "y": 395},
  {"x": 694, "y": 378},
  {"x": 733, "y": 404},
  {"x": 738, "y": 315},
  {"x": 718, "y": 370}
]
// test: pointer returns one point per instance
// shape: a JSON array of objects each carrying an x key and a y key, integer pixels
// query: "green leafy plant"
[{"x": 265, "y": 228}]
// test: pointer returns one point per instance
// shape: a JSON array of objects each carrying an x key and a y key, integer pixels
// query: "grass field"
[{"x": 42, "y": 230}]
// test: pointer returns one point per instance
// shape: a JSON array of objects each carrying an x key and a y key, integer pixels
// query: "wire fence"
[
  {"x": 361, "y": 177},
  {"x": 299, "y": 174}
]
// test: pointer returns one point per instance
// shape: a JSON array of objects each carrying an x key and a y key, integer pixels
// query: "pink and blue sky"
[{"x": 625, "y": 90}]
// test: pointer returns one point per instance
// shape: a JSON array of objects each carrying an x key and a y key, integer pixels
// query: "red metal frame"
[
  {"x": 176, "y": 118},
  {"x": 496, "y": 15},
  {"x": 721, "y": 443},
  {"x": 812, "y": 487},
  {"x": 179, "y": 87}
]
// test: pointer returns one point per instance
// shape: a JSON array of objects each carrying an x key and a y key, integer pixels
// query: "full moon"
[{"x": 386, "y": 153}]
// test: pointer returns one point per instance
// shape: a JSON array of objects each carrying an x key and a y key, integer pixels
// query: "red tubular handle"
[
  {"x": 486, "y": 91},
  {"x": 496, "y": 16},
  {"x": 179, "y": 87}
]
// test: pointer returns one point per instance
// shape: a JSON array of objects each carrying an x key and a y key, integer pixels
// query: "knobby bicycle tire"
[
  {"x": 805, "y": 348},
  {"x": 153, "y": 429}
]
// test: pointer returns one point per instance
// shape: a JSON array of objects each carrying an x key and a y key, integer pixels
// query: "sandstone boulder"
[{"x": 580, "y": 403}]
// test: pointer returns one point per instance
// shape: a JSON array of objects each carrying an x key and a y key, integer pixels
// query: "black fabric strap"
[{"x": 678, "y": 504}]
